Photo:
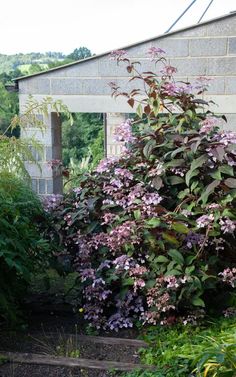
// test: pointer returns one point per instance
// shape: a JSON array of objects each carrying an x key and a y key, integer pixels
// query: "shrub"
[
  {"x": 190, "y": 351},
  {"x": 151, "y": 232},
  {"x": 22, "y": 249}
]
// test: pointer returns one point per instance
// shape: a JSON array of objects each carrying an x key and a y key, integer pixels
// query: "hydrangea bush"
[{"x": 151, "y": 232}]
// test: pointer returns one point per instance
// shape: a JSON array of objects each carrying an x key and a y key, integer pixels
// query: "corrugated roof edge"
[{"x": 231, "y": 14}]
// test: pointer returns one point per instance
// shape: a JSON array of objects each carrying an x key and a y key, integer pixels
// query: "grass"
[{"x": 207, "y": 350}]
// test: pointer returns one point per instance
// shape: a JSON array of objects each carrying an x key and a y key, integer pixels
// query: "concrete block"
[
  {"x": 232, "y": 46},
  {"x": 85, "y": 68},
  {"x": 139, "y": 50},
  {"x": 42, "y": 186},
  {"x": 231, "y": 122},
  {"x": 110, "y": 68},
  {"x": 173, "y": 47},
  {"x": 34, "y": 85},
  {"x": 66, "y": 86},
  {"x": 197, "y": 31},
  {"x": 191, "y": 66},
  {"x": 208, "y": 46},
  {"x": 222, "y": 66},
  {"x": 48, "y": 153},
  {"x": 230, "y": 85},
  {"x": 96, "y": 86},
  {"x": 216, "y": 86},
  {"x": 224, "y": 27}
]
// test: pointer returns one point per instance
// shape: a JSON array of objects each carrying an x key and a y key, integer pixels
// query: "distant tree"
[
  {"x": 80, "y": 53},
  {"x": 84, "y": 137}
]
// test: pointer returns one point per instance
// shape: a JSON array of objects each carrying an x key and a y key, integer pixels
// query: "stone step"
[{"x": 68, "y": 362}]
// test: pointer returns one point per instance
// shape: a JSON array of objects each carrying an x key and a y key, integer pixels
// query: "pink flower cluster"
[
  {"x": 227, "y": 225},
  {"x": 106, "y": 164},
  {"x": 123, "y": 132},
  {"x": 228, "y": 276},
  {"x": 208, "y": 124},
  {"x": 205, "y": 220},
  {"x": 155, "y": 52},
  {"x": 117, "y": 54}
]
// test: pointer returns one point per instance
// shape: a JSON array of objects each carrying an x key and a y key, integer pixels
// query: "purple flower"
[
  {"x": 123, "y": 132},
  {"x": 124, "y": 173},
  {"x": 117, "y": 54},
  {"x": 202, "y": 83},
  {"x": 87, "y": 273},
  {"x": 50, "y": 202},
  {"x": 205, "y": 220},
  {"x": 152, "y": 199},
  {"x": 170, "y": 88},
  {"x": 229, "y": 276},
  {"x": 193, "y": 239},
  {"x": 227, "y": 225},
  {"x": 208, "y": 124},
  {"x": 168, "y": 70},
  {"x": 106, "y": 164},
  {"x": 155, "y": 52}
]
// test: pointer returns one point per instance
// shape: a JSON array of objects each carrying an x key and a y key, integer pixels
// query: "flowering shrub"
[{"x": 151, "y": 232}]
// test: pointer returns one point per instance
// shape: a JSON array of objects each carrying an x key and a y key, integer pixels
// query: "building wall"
[{"x": 207, "y": 49}]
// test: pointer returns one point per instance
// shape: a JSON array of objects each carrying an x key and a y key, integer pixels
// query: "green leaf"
[
  {"x": 161, "y": 259},
  {"x": 171, "y": 239},
  {"x": 175, "y": 180},
  {"x": 153, "y": 223},
  {"x": 176, "y": 256},
  {"x": 150, "y": 283},
  {"x": 127, "y": 281},
  {"x": 208, "y": 190},
  {"x": 148, "y": 148},
  {"x": 173, "y": 273},
  {"x": 230, "y": 182},
  {"x": 216, "y": 174},
  {"x": 226, "y": 169},
  {"x": 194, "y": 165},
  {"x": 175, "y": 163},
  {"x": 137, "y": 214},
  {"x": 157, "y": 183},
  {"x": 180, "y": 228},
  {"x": 139, "y": 111},
  {"x": 197, "y": 301}
]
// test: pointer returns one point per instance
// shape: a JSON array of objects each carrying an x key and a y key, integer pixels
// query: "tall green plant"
[{"x": 22, "y": 249}]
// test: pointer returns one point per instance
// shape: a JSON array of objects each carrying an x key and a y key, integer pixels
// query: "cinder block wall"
[{"x": 206, "y": 49}]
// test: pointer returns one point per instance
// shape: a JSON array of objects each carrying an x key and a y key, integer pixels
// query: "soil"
[
  {"x": 28, "y": 370},
  {"x": 47, "y": 332}
]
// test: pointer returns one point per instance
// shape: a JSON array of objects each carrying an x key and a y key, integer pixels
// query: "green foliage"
[
  {"x": 80, "y": 53},
  {"x": 208, "y": 350},
  {"x": 13, "y": 150},
  {"x": 36, "y": 61},
  {"x": 22, "y": 249},
  {"x": 82, "y": 139}
]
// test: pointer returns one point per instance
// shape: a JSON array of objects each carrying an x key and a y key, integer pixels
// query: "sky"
[{"x": 100, "y": 25}]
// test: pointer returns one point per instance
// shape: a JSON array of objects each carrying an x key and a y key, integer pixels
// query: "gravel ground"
[{"x": 28, "y": 370}]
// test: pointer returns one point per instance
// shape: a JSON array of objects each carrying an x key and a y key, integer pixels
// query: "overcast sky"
[{"x": 100, "y": 25}]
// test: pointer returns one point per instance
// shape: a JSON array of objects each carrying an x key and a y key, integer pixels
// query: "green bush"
[
  {"x": 183, "y": 351},
  {"x": 22, "y": 250}
]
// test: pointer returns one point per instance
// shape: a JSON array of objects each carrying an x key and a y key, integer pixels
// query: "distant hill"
[
  {"x": 37, "y": 61},
  {"x": 19, "y": 61}
]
